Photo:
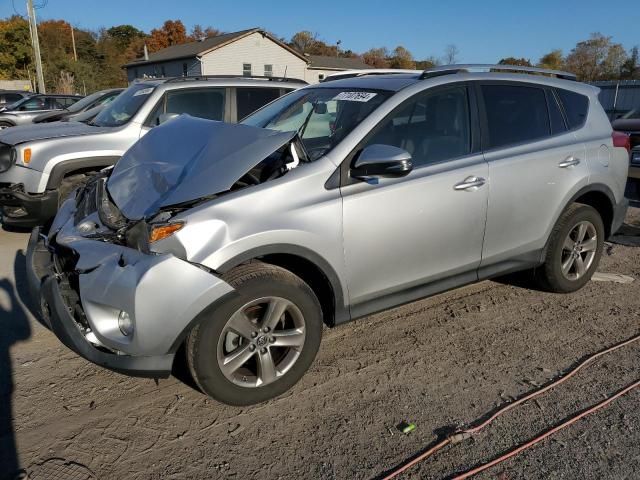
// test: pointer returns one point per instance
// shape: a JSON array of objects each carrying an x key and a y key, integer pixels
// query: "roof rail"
[
  {"x": 192, "y": 78},
  {"x": 451, "y": 69},
  {"x": 367, "y": 71}
]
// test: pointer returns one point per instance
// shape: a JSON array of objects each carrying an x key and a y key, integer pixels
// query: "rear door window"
[
  {"x": 515, "y": 114},
  {"x": 576, "y": 107},
  {"x": 248, "y": 100},
  {"x": 203, "y": 103}
]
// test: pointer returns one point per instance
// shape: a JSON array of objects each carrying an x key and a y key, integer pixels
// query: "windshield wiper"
[{"x": 303, "y": 127}]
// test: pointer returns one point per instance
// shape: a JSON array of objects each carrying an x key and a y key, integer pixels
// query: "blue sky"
[{"x": 483, "y": 30}]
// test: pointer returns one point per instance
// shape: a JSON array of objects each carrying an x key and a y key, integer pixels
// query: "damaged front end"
[{"x": 102, "y": 289}]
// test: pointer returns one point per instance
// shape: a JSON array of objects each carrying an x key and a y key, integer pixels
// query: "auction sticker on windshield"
[
  {"x": 355, "y": 96},
  {"x": 144, "y": 91}
]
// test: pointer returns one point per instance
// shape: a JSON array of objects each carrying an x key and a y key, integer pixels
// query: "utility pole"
[
  {"x": 73, "y": 42},
  {"x": 33, "y": 29}
]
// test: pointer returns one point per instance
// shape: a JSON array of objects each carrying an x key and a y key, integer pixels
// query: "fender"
[
  {"x": 60, "y": 170},
  {"x": 594, "y": 187},
  {"x": 341, "y": 312}
]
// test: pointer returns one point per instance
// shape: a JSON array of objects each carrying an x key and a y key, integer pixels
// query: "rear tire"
[
  {"x": 574, "y": 250},
  {"x": 257, "y": 345},
  {"x": 4, "y": 125}
]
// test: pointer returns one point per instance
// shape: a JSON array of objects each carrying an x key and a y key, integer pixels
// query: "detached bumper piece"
[
  {"x": 24, "y": 210},
  {"x": 45, "y": 287}
]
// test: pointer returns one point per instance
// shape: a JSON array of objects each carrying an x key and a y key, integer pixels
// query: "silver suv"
[
  {"x": 238, "y": 242},
  {"x": 41, "y": 164}
]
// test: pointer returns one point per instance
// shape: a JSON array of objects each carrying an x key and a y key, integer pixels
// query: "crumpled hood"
[
  {"x": 186, "y": 159},
  {"x": 41, "y": 131}
]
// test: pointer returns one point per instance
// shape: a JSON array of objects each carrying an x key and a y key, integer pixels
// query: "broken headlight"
[{"x": 107, "y": 211}]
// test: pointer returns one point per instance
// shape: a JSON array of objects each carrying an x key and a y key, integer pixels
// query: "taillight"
[{"x": 621, "y": 140}]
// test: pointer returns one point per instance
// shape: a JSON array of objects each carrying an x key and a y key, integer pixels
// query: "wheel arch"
[
  {"x": 600, "y": 197},
  {"x": 310, "y": 267},
  {"x": 77, "y": 165}
]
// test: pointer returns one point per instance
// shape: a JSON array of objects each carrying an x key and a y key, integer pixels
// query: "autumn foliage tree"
[{"x": 172, "y": 32}]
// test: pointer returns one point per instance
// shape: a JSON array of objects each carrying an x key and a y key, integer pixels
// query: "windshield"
[
  {"x": 321, "y": 116},
  {"x": 125, "y": 106},
  {"x": 84, "y": 102}
]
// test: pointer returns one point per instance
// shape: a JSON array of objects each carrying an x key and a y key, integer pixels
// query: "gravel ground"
[{"x": 439, "y": 362}]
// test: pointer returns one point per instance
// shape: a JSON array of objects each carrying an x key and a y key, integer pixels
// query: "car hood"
[
  {"x": 186, "y": 159},
  {"x": 42, "y": 131}
]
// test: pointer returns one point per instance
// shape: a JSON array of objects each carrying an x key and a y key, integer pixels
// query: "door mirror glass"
[
  {"x": 382, "y": 161},
  {"x": 165, "y": 117}
]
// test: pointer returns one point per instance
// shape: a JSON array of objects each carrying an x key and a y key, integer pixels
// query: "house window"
[
  {"x": 268, "y": 70},
  {"x": 246, "y": 69},
  {"x": 185, "y": 70}
]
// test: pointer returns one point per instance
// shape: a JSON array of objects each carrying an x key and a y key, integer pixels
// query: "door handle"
[
  {"x": 569, "y": 162},
  {"x": 469, "y": 183}
]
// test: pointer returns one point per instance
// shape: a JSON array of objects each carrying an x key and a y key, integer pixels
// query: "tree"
[
  {"x": 303, "y": 41},
  {"x": 596, "y": 58},
  {"x": 199, "y": 33},
  {"x": 553, "y": 60},
  {"x": 520, "y": 62},
  {"x": 123, "y": 35},
  {"x": 15, "y": 48},
  {"x": 402, "y": 58},
  {"x": 631, "y": 67},
  {"x": 171, "y": 33},
  {"x": 451, "y": 53},
  {"x": 376, "y": 57},
  {"x": 427, "y": 63}
]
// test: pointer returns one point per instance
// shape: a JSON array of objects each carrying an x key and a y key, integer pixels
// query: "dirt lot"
[{"x": 438, "y": 362}]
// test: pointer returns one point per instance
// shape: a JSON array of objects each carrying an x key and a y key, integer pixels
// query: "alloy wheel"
[
  {"x": 261, "y": 341},
  {"x": 579, "y": 250}
]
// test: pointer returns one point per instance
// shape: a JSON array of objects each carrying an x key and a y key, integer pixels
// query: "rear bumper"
[
  {"x": 45, "y": 291},
  {"x": 25, "y": 210},
  {"x": 619, "y": 213}
]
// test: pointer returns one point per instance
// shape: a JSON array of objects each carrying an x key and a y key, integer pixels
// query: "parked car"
[
  {"x": 87, "y": 103},
  {"x": 237, "y": 242},
  {"x": 7, "y": 97},
  {"x": 629, "y": 124},
  {"x": 41, "y": 164},
  {"x": 25, "y": 110}
]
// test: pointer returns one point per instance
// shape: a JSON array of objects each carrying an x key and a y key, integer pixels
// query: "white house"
[{"x": 251, "y": 52}]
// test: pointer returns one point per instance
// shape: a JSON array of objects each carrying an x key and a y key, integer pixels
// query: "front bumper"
[
  {"x": 45, "y": 292},
  {"x": 163, "y": 295},
  {"x": 26, "y": 210}
]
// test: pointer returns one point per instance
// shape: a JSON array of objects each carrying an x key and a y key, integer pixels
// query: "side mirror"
[
  {"x": 382, "y": 161},
  {"x": 165, "y": 117},
  {"x": 320, "y": 108}
]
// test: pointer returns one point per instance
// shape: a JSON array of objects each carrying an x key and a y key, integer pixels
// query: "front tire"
[
  {"x": 259, "y": 344},
  {"x": 574, "y": 250}
]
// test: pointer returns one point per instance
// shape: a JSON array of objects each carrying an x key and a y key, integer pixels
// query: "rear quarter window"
[{"x": 576, "y": 107}]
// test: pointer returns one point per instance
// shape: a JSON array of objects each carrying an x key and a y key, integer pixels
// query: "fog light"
[{"x": 125, "y": 324}]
